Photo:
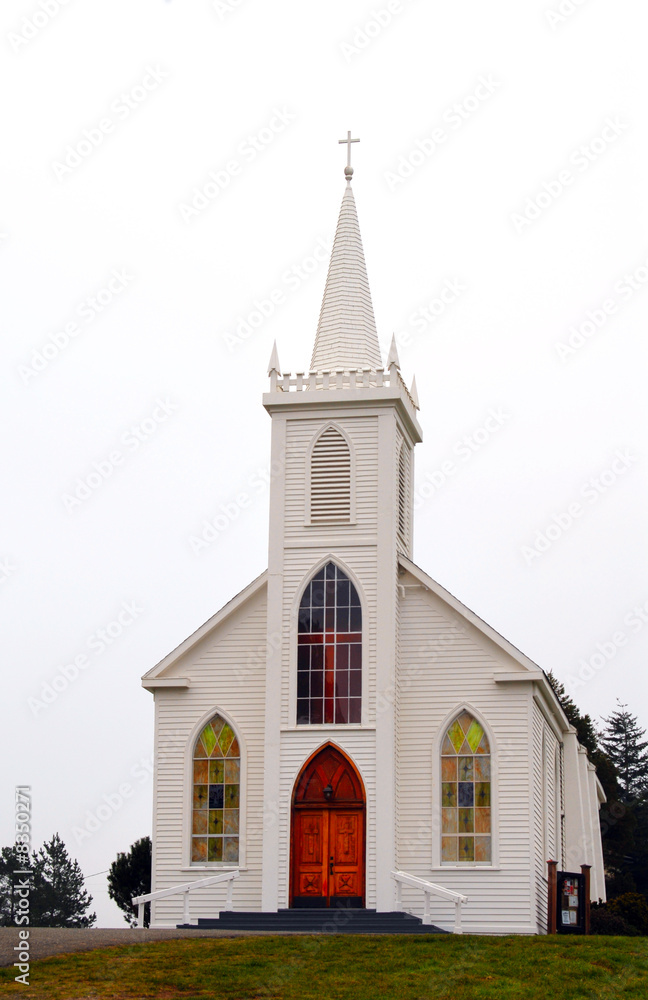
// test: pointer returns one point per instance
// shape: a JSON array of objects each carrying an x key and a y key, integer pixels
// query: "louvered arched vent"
[
  {"x": 402, "y": 492},
  {"x": 330, "y": 478}
]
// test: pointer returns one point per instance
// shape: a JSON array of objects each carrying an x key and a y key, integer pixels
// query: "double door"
[{"x": 328, "y": 857}]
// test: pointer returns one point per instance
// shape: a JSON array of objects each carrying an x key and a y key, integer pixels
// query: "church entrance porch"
[{"x": 328, "y": 833}]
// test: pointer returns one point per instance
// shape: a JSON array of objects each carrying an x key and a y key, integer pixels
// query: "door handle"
[{"x": 331, "y": 865}]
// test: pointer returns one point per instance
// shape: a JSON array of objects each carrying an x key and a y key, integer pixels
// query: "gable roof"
[
  {"x": 154, "y": 677},
  {"x": 530, "y": 672}
]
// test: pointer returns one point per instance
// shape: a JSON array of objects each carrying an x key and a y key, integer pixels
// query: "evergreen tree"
[
  {"x": 11, "y": 861},
  {"x": 130, "y": 875},
  {"x": 58, "y": 898},
  {"x": 620, "y": 829},
  {"x": 622, "y": 741},
  {"x": 585, "y": 728}
]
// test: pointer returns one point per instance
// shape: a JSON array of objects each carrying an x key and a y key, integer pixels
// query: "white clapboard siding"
[
  {"x": 444, "y": 665},
  {"x": 226, "y": 671}
]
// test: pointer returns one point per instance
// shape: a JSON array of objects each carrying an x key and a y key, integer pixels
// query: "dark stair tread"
[{"x": 357, "y": 921}]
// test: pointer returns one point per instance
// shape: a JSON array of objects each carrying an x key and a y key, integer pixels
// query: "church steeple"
[{"x": 346, "y": 333}]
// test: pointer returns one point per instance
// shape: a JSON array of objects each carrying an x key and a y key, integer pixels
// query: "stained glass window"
[
  {"x": 329, "y": 650},
  {"x": 465, "y": 793},
  {"x": 216, "y": 794}
]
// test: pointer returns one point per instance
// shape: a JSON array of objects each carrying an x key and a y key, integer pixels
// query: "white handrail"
[
  {"x": 402, "y": 878},
  {"x": 185, "y": 888}
]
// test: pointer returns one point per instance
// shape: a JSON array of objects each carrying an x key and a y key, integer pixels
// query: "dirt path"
[{"x": 44, "y": 941}]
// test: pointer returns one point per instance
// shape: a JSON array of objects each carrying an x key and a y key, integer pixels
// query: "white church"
[{"x": 388, "y": 740}]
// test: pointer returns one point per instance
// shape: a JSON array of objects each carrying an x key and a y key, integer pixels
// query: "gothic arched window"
[
  {"x": 465, "y": 793},
  {"x": 216, "y": 794},
  {"x": 329, "y": 650},
  {"x": 330, "y": 478}
]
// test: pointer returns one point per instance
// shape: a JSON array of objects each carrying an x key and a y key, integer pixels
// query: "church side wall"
[
  {"x": 227, "y": 674},
  {"x": 545, "y": 802},
  {"x": 446, "y": 665}
]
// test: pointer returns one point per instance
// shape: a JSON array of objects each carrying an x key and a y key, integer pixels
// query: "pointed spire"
[
  {"x": 414, "y": 394},
  {"x": 392, "y": 358},
  {"x": 346, "y": 333},
  {"x": 273, "y": 364}
]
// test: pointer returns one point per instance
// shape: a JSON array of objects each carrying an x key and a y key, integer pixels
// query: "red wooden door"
[
  {"x": 328, "y": 833},
  {"x": 346, "y": 840},
  {"x": 311, "y": 848}
]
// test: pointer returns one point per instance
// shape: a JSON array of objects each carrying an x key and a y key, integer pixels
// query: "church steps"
[{"x": 319, "y": 921}]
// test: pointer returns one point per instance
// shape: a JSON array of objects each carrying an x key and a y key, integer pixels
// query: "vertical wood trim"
[
  {"x": 386, "y": 579},
  {"x": 552, "y": 896},
  {"x": 272, "y": 743},
  {"x": 585, "y": 869}
]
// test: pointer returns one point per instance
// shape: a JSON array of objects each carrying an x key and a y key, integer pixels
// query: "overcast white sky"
[{"x": 168, "y": 170}]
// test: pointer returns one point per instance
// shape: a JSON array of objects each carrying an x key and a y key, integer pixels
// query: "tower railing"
[{"x": 354, "y": 379}]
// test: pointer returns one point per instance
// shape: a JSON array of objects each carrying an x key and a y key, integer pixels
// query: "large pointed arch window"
[
  {"x": 329, "y": 650},
  {"x": 465, "y": 793},
  {"x": 216, "y": 794}
]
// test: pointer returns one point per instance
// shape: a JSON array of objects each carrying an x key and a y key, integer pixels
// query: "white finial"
[
  {"x": 348, "y": 170},
  {"x": 273, "y": 365},
  {"x": 414, "y": 394},
  {"x": 392, "y": 358}
]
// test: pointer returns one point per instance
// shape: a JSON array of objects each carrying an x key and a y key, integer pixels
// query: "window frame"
[
  {"x": 188, "y": 864},
  {"x": 306, "y": 579},
  {"x": 437, "y": 802}
]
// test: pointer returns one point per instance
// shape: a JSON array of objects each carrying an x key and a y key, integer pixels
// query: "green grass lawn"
[{"x": 336, "y": 968}]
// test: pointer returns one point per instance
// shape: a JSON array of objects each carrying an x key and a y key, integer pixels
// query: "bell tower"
[{"x": 343, "y": 436}]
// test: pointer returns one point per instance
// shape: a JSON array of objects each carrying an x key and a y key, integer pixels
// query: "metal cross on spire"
[{"x": 348, "y": 170}]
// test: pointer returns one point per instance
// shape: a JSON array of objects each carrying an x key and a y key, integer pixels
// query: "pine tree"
[
  {"x": 622, "y": 741},
  {"x": 58, "y": 898},
  {"x": 585, "y": 728},
  {"x": 11, "y": 861},
  {"x": 130, "y": 875}
]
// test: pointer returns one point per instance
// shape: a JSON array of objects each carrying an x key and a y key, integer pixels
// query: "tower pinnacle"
[{"x": 348, "y": 170}]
